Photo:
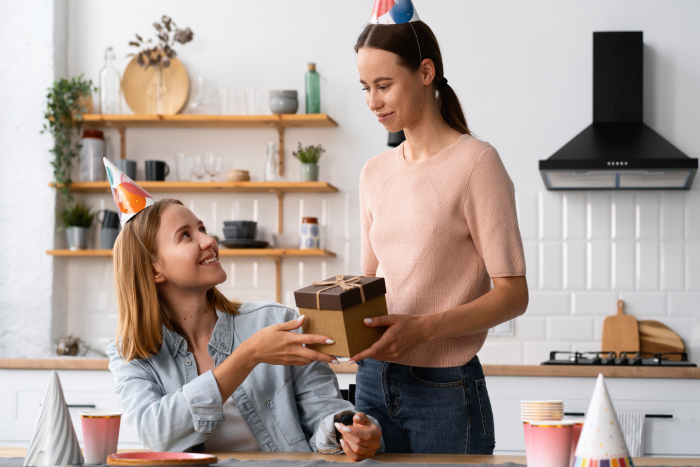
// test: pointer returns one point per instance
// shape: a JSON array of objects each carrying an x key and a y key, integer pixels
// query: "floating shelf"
[
  {"x": 212, "y": 187},
  {"x": 223, "y": 253},
  {"x": 277, "y": 122},
  {"x": 211, "y": 121}
]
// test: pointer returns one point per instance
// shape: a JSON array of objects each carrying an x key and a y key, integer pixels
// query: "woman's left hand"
[
  {"x": 404, "y": 333},
  {"x": 362, "y": 439}
]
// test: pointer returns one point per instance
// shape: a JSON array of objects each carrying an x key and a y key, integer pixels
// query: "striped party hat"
[
  {"x": 54, "y": 442},
  {"x": 601, "y": 443}
]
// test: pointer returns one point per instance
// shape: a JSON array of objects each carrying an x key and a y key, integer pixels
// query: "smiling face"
[
  {"x": 187, "y": 257},
  {"x": 393, "y": 93}
]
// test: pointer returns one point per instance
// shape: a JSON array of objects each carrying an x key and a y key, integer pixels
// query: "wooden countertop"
[
  {"x": 79, "y": 363},
  {"x": 413, "y": 458}
]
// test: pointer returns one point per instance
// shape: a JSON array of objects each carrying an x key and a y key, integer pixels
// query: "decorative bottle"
[
  {"x": 110, "y": 85},
  {"x": 313, "y": 91},
  {"x": 272, "y": 164}
]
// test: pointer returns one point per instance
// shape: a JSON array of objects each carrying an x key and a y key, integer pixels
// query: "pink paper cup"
[
  {"x": 100, "y": 435},
  {"x": 575, "y": 435},
  {"x": 550, "y": 443}
]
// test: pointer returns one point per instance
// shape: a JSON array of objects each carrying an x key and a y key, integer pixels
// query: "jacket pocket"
[
  {"x": 283, "y": 407},
  {"x": 485, "y": 408}
]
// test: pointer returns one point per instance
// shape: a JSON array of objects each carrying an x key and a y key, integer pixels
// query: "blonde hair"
[{"x": 140, "y": 309}]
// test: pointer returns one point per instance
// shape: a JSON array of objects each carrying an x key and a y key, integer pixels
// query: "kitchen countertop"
[
  {"x": 413, "y": 458},
  {"x": 80, "y": 363}
]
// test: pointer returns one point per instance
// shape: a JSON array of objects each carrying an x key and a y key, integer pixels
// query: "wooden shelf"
[
  {"x": 223, "y": 253},
  {"x": 211, "y": 121},
  {"x": 212, "y": 187}
]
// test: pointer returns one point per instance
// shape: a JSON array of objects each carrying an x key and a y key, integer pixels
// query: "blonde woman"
[{"x": 194, "y": 370}]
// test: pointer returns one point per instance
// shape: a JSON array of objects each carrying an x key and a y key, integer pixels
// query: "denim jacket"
[{"x": 288, "y": 408}]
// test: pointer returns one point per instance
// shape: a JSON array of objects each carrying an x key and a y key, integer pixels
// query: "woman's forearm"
[
  {"x": 507, "y": 300},
  {"x": 234, "y": 370}
]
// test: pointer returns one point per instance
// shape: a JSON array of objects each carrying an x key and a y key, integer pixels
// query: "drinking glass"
[
  {"x": 254, "y": 101},
  {"x": 212, "y": 164},
  {"x": 198, "y": 168},
  {"x": 183, "y": 167}
]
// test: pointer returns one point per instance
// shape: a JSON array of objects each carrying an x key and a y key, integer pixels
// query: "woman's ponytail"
[{"x": 412, "y": 43}]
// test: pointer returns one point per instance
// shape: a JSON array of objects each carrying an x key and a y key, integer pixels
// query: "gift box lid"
[{"x": 334, "y": 297}]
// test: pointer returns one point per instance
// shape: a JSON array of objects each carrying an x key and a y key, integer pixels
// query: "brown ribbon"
[{"x": 344, "y": 284}]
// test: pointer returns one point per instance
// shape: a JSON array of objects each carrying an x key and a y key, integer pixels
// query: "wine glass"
[
  {"x": 198, "y": 168},
  {"x": 212, "y": 164}
]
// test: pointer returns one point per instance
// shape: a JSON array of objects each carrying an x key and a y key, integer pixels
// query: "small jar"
[
  {"x": 92, "y": 167},
  {"x": 309, "y": 233}
]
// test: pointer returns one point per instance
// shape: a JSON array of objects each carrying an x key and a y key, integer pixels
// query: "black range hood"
[{"x": 618, "y": 151}]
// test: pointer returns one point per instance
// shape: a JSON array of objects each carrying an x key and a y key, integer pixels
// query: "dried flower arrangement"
[{"x": 160, "y": 54}]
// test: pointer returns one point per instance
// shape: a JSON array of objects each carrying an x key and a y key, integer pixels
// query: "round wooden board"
[
  {"x": 147, "y": 458},
  {"x": 137, "y": 80}
]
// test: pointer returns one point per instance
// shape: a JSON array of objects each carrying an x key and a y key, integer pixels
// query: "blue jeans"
[{"x": 428, "y": 410}]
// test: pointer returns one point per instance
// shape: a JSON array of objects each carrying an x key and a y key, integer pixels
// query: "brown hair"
[
  {"x": 412, "y": 43},
  {"x": 141, "y": 312}
]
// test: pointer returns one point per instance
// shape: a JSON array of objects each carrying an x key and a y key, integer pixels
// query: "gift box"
[{"x": 337, "y": 308}]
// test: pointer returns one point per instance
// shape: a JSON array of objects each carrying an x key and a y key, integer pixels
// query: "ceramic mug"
[
  {"x": 100, "y": 435},
  {"x": 127, "y": 166},
  {"x": 156, "y": 171}
]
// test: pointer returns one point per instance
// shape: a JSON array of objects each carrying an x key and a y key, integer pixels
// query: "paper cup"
[
  {"x": 100, "y": 435},
  {"x": 550, "y": 443},
  {"x": 575, "y": 435}
]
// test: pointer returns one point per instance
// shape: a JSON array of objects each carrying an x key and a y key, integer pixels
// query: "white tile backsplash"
[
  {"x": 648, "y": 266},
  {"x": 598, "y": 213},
  {"x": 550, "y": 266},
  {"x": 647, "y": 215},
  {"x": 583, "y": 251}
]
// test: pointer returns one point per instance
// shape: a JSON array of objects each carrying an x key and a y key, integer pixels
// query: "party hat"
[
  {"x": 393, "y": 12},
  {"x": 131, "y": 199},
  {"x": 54, "y": 441},
  {"x": 601, "y": 443}
]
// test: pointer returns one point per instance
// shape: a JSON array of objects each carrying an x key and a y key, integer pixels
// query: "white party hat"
[
  {"x": 130, "y": 198},
  {"x": 393, "y": 12},
  {"x": 601, "y": 443},
  {"x": 54, "y": 441}
]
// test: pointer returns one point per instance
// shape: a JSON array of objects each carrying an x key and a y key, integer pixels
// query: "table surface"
[
  {"x": 413, "y": 458},
  {"x": 591, "y": 371}
]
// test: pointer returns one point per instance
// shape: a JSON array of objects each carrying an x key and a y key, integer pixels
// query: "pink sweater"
[{"x": 437, "y": 231}]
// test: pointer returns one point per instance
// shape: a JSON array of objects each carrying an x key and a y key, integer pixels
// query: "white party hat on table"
[
  {"x": 54, "y": 441},
  {"x": 601, "y": 443}
]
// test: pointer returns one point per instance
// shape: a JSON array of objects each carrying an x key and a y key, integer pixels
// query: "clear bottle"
[
  {"x": 110, "y": 85},
  {"x": 313, "y": 90},
  {"x": 272, "y": 164}
]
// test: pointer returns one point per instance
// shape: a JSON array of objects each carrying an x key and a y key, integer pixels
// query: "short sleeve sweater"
[{"x": 437, "y": 231}]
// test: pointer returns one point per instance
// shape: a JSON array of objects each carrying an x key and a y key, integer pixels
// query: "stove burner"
[{"x": 624, "y": 359}]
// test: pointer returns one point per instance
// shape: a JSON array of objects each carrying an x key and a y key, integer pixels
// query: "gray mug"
[
  {"x": 108, "y": 237},
  {"x": 127, "y": 166}
]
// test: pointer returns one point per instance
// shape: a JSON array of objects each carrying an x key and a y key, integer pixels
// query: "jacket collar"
[{"x": 221, "y": 339}]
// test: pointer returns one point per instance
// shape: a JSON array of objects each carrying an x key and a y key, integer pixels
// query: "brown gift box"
[{"x": 339, "y": 311}]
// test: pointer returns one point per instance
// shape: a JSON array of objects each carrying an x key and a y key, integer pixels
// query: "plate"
[
  {"x": 143, "y": 459},
  {"x": 243, "y": 243},
  {"x": 138, "y": 79}
]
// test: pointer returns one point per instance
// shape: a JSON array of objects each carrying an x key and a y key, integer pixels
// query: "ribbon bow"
[{"x": 341, "y": 282}]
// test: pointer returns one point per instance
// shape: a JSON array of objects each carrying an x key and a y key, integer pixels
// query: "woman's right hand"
[{"x": 276, "y": 345}]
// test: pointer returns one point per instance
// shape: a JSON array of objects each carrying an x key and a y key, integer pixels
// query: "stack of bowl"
[{"x": 241, "y": 234}]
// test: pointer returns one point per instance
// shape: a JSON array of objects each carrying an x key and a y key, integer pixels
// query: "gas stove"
[{"x": 624, "y": 359}]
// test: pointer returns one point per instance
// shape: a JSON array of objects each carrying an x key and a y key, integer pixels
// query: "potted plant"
[
  {"x": 77, "y": 219},
  {"x": 309, "y": 157}
]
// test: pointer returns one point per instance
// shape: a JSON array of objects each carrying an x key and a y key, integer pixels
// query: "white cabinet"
[{"x": 22, "y": 392}]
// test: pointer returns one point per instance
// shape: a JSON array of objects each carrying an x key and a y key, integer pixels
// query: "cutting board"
[
  {"x": 620, "y": 332},
  {"x": 655, "y": 337}
]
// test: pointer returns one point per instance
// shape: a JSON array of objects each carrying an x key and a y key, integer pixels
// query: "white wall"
[{"x": 523, "y": 73}]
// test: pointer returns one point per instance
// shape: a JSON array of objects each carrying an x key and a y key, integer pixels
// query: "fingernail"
[
  {"x": 330, "y": 341},
  {"x": 337, "y": 426},
  {"x": 342, "y": 443},
  {"x": 347, "y": 429},
  {"x": 368, "y": 320},
  {"x": 301, "y": 318},
  {"x": 351, "y": 361},
  {"x": 335, "y": 362}
]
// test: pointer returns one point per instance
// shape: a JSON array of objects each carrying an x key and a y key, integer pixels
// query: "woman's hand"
[
  {"x": 404, "y": 333},
  {"x": 275, "y": 345},
  {"x": 362, "y": 439}
]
